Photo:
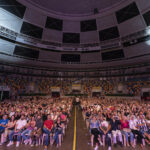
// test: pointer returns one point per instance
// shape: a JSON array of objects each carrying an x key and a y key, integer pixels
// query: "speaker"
[{"x": 96, "y": 11}]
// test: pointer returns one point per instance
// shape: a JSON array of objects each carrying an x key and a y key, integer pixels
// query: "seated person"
[
  {"x": 115, "y": 127},
  {"x": 87, "y": 116},
  {"x": 126, "y": 131},
  {"x": 19, "y": 127},
  {"x": 26, "y": 133},
  {"x": 147, "y": 133},
  {"x": 63, "y": 121},
  {"x": 105, "y": 132},
  {"x": 10, "y": 126},
  {"x": 35, "y": 134},
  {"x": 48, "y": 125},
  {"x": 135, "y": 130},
  {"x": 58, "y": 130},
  {"x": 3, "y": 125},
  {"x": 94, "y": 128}
]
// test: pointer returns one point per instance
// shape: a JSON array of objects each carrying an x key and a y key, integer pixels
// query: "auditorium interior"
[{"x": 74, "y": 74}]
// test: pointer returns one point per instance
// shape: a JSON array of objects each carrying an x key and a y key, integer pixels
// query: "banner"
[
  {"x": 76, "y": 86},
  {"x": 55, "y": 89},
  {"x": 97, "y": 89},
  {"x": 120, "y": 87},
  {"x": 145, "y": 89},
  {"x": 4, "y": 88}
]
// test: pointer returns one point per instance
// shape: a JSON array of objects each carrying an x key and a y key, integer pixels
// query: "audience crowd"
[
  {"x": 123, "y": 122},
  {"x": 20, "y": 85},
  {"x": 43, "y": 121},
  {"x": 36, "y": 121}
]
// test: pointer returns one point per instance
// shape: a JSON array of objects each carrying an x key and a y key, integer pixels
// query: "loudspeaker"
[{"x": 96, "y": 11}]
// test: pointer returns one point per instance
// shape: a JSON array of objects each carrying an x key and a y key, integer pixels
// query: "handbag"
[{"x": 127, "y": 130}]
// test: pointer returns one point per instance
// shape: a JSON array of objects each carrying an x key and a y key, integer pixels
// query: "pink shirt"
[{"x": 63, "y": 117}]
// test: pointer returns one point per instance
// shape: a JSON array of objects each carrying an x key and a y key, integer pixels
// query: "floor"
[{"x": 82, "y": 138}]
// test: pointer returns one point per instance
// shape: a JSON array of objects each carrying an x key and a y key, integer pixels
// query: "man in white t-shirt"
[
  {"x": 12, "y": 112},
  {"x": 20, "y": 125}
]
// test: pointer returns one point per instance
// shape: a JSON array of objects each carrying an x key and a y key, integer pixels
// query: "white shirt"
[
  {"x": 133, "y": 124},
  {"x": 105, "y": 124},
  {"x": 11, "y": 114},
  {"x": 20, "y": 123}
]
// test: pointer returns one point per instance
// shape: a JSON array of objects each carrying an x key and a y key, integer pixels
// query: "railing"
[
  {"x": 109, "y": 44},
  {"x": 7, "y": 33},
  {"x": 51, "y": 73}
]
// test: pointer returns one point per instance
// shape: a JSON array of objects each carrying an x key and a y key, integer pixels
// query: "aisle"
[{"x": 83, "y": 137}]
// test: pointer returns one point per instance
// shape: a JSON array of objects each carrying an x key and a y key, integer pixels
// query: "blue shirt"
[
  {"x": 94, "y": 124},
  {"x": 4, "y": 122}
]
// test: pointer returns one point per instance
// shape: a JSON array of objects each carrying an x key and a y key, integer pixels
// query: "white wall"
[
  {"x": 50, "y": 56},
  {"x": 91, "y": 57},
  {"x": 131, "y": 26},
  {"x": 89, "y": 37},
  {"x": 106, "y": 21},
  {"x": 10, "y": 21},
  {"x": 135, "y": 50},
  {"x": 35, "y": 17},
  {"x": 6, "y": 47},
  {"x": 52, "y": 35},
  {"x": 71, "y": 26},
  {"x": 143, "y": 5}
]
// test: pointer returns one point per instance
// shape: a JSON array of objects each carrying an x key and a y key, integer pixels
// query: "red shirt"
[
  {"x": 48, "y": 124},
  {"x": 124, "y": 124}
]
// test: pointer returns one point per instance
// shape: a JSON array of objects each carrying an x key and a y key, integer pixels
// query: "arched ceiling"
[{"x": 74, "y": 7}]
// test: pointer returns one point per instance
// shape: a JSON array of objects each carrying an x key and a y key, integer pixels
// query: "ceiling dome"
[{"x": 74, "y": 7}]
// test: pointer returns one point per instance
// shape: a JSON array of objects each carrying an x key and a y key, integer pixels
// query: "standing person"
[
  {"x": 77, "y": 102},
  {"x": 48, "y": 125},
  {"x": 19, "y": 127}
]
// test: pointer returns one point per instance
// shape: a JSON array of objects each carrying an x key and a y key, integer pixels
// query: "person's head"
[
  {"x": 22, "y": 117},
  {"x": 12, "y": 109},
  {"x": 5, "y": 117},
  {"x": 48, "y": 117},
  {"x": 58, "y": 119},
  {"x": 94, "y": 118},
  {"x": 32, "y": 118},
  {"x": 124, "y": 118},
  {"x": 141, "y": 116},
  {"x": 12, "y": 118},
  {"x": 39, "y": 117},
  {"x": 132, "y": 117}
]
